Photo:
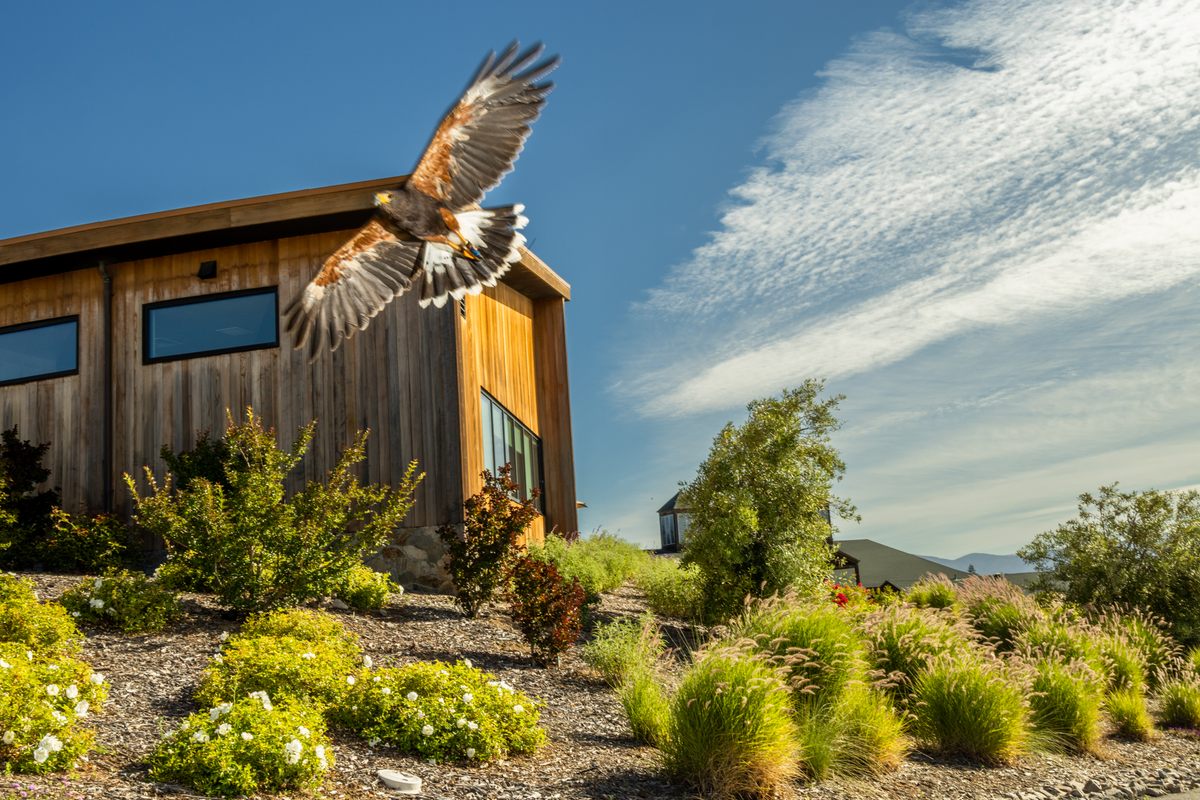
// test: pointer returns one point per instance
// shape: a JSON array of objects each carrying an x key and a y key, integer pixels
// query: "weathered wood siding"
[
  {"x": 554, "y": 412},
  {"x": 64, "y": 411}
]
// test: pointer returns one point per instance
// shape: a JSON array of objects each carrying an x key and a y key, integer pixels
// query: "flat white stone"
[{"x": 400, "y": 781}]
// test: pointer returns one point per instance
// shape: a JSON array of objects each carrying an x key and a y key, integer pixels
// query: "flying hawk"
[{"x": 430, "y": 230}]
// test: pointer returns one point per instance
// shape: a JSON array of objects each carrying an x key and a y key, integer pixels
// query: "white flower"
[
  {"x": 472, "y": 726},
  {"x": 247, "y": 736},
  {"x": 293, "y": 749},
  {"x": 97, "y": 678},
  {"x": 462, "y": 723},
  {"x": 72, "y": 692},
  {"x": 376, "y": 679},
  {"x": 220, "y": 710},
  {"x": 220, "y": 659},
  {"x": 9, "y": 736},
  {"x": 185, "y": 725},
  {"x": 350, "y": 680},
  {"x": 29, "y": 655},
  {"x": 75, "y": 614},
  {"x": 52, "y": 689},
  {"x": 265, "y": 698},
  {"x": 224, "y": 728},
  {"x": 4, "y": 664},
  {"x": 303, "y": 731},
  {"x": 59, "y": 717},
  {"x": 467, "y": 663},
  {"x": 81, "y": 708},
  {"x": 40, "y": 755},
  {"x": 308, "y": 656},
  {"x": 224, "y": 636},
  {"x": 96, "y": 603},
  {"x": 368, "y": 662},
  {"x": 468, "y": 697},
  {"x": 51, "y": 743},
  {"x": 518, "y": 709},
  {"x": 505, "y": 686},
  {"x": 470, "y": 752},
  {"x": 200, "y": 736},
  {"x": 373, "y": 742},
  {"x": 427, "y": 730},
  {"x": 442, "y": 700},
  {"x": 53, "y": 667},
  {"x": 411, "y": 696},
  {"x": 320, "y": 751},
  {"x": 385, "y": 690}
]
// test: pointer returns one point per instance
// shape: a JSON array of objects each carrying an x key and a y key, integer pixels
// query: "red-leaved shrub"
[{"x": 546, "y": 608}]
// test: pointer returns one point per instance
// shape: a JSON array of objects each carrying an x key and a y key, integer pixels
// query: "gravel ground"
[{"x": 591, "y": 753}]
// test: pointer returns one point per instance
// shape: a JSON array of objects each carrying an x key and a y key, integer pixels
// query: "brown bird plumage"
[{"x": 428, "y": 230}]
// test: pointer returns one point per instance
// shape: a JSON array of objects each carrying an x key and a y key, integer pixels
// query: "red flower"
[{"x": 841, "y": 599}]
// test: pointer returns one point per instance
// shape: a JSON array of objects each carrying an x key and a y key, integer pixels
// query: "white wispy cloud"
[{"x": 995, "y": 165}]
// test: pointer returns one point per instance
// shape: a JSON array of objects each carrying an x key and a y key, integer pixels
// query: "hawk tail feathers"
[{"x": 494, "y": 233}]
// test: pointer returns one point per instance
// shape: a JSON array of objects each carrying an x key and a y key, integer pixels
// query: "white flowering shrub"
[
  {"x": 440, "y": 711},
  {"x": 125, "y": 600},
  {"x": 302, "y": 623},
  {"x": 43, "y": 699},
  {"x": 245, "y": 747},
  {"x": 282, "y": 666},
  {"x": 44, "y": 628}
]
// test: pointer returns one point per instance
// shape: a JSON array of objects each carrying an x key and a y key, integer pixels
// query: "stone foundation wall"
[{"x": 416, "y": 558}]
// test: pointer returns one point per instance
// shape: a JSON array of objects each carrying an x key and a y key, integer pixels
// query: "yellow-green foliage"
[
  {"x": 1193, "y": 659},
  {"x": 1179, "y": 703},
  {"x": 646, "y": 706},
  {"x": 997, "y": 609},
  {"x": 600, "y": 563},
  {"x": 364, "y": 589},
  {"x": 45, "y": 628},
  {"x": 932, "y": 591},
  {"x": 619, "y": 649},
  {"x": 1065, "y": 705},
  {"x": 971, "y": 706},
  {"x": 254, "y": 745},
  {"x": 671, "y": 590},
  {"x": 303, "y": 623},
  {"x": 902, "y": 642},
  {"x": 1148, "y": 635},
  {"x": 1127, "y": 710},
  {"x": 128, "y": 601},
  {"x": 315, "y": 672}
]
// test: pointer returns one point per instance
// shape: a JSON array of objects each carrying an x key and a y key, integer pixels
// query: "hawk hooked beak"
[{"x": 383, "y": 198}]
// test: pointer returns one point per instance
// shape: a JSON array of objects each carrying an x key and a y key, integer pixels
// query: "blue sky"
[{"x": 980, "y": 221}]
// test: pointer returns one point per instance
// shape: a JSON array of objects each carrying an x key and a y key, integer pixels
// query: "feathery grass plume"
[
  {"x": 1148, "y": 634},
  {"x": 1122, "y": 664},
  {"x": 871, "y": 739},
  {"x": 646, "y": 706},
  {"x": 1065, "y": 705},
  {"x": 731, "y": 732},
  {"x": 1193, "y": 659},
  {"x": 1127, "y": 710},
  {"x": 813, "y": 641},
  {"x": 997, "y": 609},
  {"x": 1179, "y": 703},
  {"x": 621, "y": 648},
  {"x": 932, "y": 591},
  {"x": 1058, "y": 640},
  {"x": 970, "y": 706},
  {"x": 902, "y": 641}
]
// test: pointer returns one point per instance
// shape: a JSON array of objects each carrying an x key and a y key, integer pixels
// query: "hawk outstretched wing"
[
  {"x": 354, "y": 284},
  {"x": 479, "y": 139}
]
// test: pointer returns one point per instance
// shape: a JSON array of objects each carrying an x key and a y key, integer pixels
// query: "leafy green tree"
[
  {"x": 1138, "y": 549},
  {"x": 760, "y": 502}
]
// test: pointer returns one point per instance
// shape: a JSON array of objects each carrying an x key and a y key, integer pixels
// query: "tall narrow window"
[
  {"x": 507, "y": 441},
  {"x": 211, "y": 324},
  {"x": 47, "y": 349}
]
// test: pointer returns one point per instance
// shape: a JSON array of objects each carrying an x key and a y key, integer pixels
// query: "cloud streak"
[{"x": 994, "y": 165}]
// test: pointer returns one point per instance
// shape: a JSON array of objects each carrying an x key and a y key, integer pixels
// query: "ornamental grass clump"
[
  {"x": 1065, "y": 705},
  {"x": 1126, "y": 709},
  {"x": 646, "y": 707},
  {"x": 364, "y": 589},
  {"x": 249, "y": 746},
  {"x": 45, "y": 628},
  {"x": 970, "y": 706},
  {"x": 671, "y": 590},
  {"x": 1193, "y": 660},
  {"x": 997, "y": 609},
  {"x": 440, "y": 711},
  {"x": 932, "y": 591},
  {"x": 1148, "y": 635},
  {"x": 732, "y": 732},
  {"x": 871, "y": 738},
  {"x": 1179, "y": 703},
  {"x": 903, "y": 641},
  {"x": 622, "y": 648},
  {"x": 44, "y": 699},
  {"x": 1121, "y": 663},
  {"x": 127, "y": 601}
]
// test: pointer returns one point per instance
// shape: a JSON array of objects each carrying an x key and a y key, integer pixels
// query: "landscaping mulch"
[{"x": 591, "y": 753}]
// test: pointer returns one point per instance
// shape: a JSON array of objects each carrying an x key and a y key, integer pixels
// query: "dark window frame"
[
  {"x": 540, "y": 503},
  {"x": 44, "y": 323},
  {"x": 196, "y": 300}
]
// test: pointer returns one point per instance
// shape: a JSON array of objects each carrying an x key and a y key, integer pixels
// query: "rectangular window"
[
  {"x": 507, "y": 441},
  {"x": 47, "y": 349},
  {"x": 217, "y": 323}
]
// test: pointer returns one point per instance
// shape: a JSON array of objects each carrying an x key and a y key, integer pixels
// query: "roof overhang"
[{"x": 329, "y": 208}]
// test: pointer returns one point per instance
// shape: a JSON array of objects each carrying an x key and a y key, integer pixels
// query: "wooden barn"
[{"x": 119, "y": 337}]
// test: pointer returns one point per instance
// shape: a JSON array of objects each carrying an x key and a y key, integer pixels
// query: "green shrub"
[
  {"x": 903, "y": 641},
  {"x": 254, "y": 546},
  {"x": 545, "y": 608},
  {"x": 619, "y": 649},
  {"x": 932, "y": 591},
  {"x": 969, "y": 706},
  {"x": 128, "y": 601},
  {"x": 871, "y": 737},
  {"x": 1127, "y": 710},
  {"x": 250, "y": 746},
  {"x": 44, "y": 628},
  {"x": 1179, "y": 704},
  {"x": 43, "y": 698},
  {"x": 1065, "y": 705},
  {"x": 315, "y": 672},
  {"x": 671, "y": 590},
  {"x": 996, "y": 608},
  {"x": 600, "y": 563},
  {"x": 78, "y": 543},
  {"x": 483, "y": 552},
  {"x": 441, "y": 711},
  {"x": 813, "y": 641},
  {"x": 364, "y": 589},
  {"x": 26, "y": 509},
  {"x": 304, "y": 624},
  {"x": 208, "y": 459},
  {"x": 731, "y": 730},
  {"x": 646, "y": 707}
]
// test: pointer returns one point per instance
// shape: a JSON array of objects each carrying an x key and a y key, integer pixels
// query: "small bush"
[
  {"x": 731, "y": 731},
  {"x": 254, "y": 745},
  {"x": 1065, "y": 706},
  {"x": 481, "y": 555},
  {"x": 996, "y": 608},
  {"x": 932, "y": 591},
  {"x": 671, "y": 590},
  {"x": 77, "y": 543},
  {"x": 128, "y": 601},
  {"x": 545, "y": 608},
  {"x": 1127, "y": 710},
  {"x": 970, "y": 707},
  {"x": 315, "y": 672},
  {"x": 42, "y": 702},
  {"x": 619, "y": 649},
  {"x": 600, "y": 563},
  {"x": 252, "y": 544},
  {"x": 441, "y": 711},
  {"x": 45, "y": 628},
  {"x": 646, "y": 707},
  {"x": 1179, "y": 704},
  {"x": 364, "y": 589},
  {"x": 871, "y": 739},
  {"x": 902, "y": 642},
  {"x": 303, "y": 624}
]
